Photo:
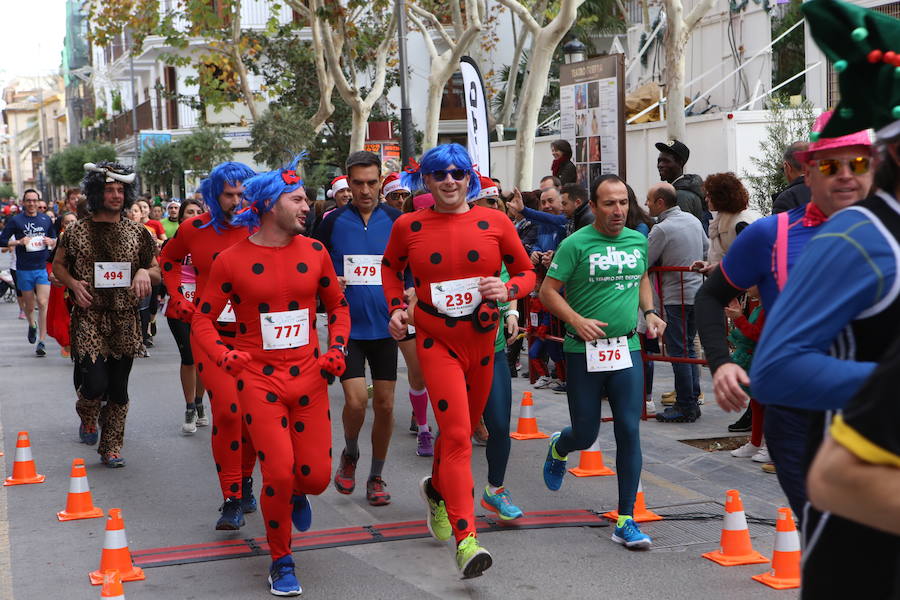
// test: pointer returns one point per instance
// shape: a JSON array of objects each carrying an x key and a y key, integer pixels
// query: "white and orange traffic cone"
[
  {"x": 785, "y": 572},
  {"x": 527, "y": 428},
  {"x": 590, "y": 462},
  {"x": 641, "y": 513},
  {"x": 24, "y": 470},
  {"x": 735, "y": 547},
  {"x": 116, "y": 556},
  {"x": 112, "y": 586},
  {"x": 79, "y": 504}
]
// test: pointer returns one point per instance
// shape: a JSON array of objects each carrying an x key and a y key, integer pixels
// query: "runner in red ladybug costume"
[
  {"x": 455, "y": 253},
  {"x": 202, "y": 238},
  {"x": 272, "y": 280}
]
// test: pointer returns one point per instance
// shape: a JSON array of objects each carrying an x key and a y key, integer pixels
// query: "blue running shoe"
[
  {"x": 501, "y": 504},
  {"x": 248, "y": 502},
  {"x": 630, "y": 536},
  {"x": 301, "y": 516},
  {"x": 232, "y": 517},
  {"x": 554, "y": 465},
  {"x": 282, "y": 580},
  {"x": 88, "y": 437}
]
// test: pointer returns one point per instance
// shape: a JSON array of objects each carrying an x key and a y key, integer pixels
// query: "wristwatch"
[
  {"x": 341, "y": 347},
  {"x": 653, "y": 311}
]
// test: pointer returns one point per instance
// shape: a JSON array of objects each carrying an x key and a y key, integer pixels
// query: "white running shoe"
[
  {"x": 543, "y": 382},
  {"x": 189, "y": 427},
  {"x": 746, "y": 451},
  {"x": 762, "y": 456}
]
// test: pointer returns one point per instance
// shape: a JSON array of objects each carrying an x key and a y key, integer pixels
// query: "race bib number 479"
[
  {"x": 112, "y": 274},
  {"x": 362, "y": 269}
]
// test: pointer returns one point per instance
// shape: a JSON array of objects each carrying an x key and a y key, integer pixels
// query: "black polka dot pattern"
[
  {"x": 302, "y": 268},
  {"x": 294, "y": 371},
  {"x": 268, "y": 370},
  {"x": 235, "y": 445},
  {"x": 226, "y": 287},
  {"x": 304, "y": 400},
  {"x": 305, "y": 470},
  {"x": 442, "y": 405},
  {"x": 461, "y": 525},
  {"x": 483, "y": 225},
  {"x": 299, "y": 426},
  {"x": 234, "y": 487},
  {"x": 436, "y": 258},
  {"x": 271, "y": 397},
  {"x": 509, "y": 259},
  {"x": 324, "y": 282},
  {"x": 284, "y": 423},
  {"x": 427, "y": 343},
  {"x": 294, "y": 305},
  {"x": 233, "y": 407},
  {"x": 240, "y": 386},
  {"x": 273, "y": 524},
  {"x": 472, "y": 256},
  {"x": 269, "y": 491},
  {"x": 317, "y": 246},
  {"x": 263, "y": 307},
  {"x": 415, "y": 226},
  {"x": 248, "y": 418},
  {"x": 167, "y": 266},
  {"x": 485, "y": 361},
  {"x": 205, "y": 308}
]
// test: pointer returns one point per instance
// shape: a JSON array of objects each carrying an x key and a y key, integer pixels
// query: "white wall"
[
  {"x": 718, "y": 143},
  {"x": 708, "y": 50}
]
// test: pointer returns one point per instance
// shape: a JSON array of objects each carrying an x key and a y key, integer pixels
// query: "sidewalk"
[{"x": 169, "y": 496}]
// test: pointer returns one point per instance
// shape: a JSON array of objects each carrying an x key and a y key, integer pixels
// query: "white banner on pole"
[{"x": 476, "y": 116}]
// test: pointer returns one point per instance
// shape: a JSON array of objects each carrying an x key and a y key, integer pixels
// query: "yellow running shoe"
[{"x": 471, "y": 559}]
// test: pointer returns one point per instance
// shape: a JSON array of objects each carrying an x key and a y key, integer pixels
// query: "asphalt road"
[{"x": 169, "y": 496}]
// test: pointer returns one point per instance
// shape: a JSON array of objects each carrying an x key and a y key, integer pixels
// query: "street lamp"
[{"x": 574, "y": 51}]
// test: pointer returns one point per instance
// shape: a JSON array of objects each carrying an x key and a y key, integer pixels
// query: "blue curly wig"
[
  {"x": 261, "y": 192},
  {"x": 441, "y": 157},
  {"x": 229, "y": 172}
]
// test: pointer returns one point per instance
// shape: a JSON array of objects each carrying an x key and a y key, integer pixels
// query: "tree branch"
[
  {"x": 512, "y": 80},
  {"x": 696, "y": 14},
  {"x": 456, "y": 17},
  {"x": 241, "y": 68},
  {"x": 429, "y": 44},
  {"x": 520, "y": 11},
  {"x": 434, "y": 21}
]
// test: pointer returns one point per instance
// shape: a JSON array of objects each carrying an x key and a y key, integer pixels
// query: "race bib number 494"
[
  {"x": 112, "y": 274},
  {"x": 362, "y": 269},
  {"x": 457, "y": 297},
  {"x": 608, "y": 354},
  {"x": 286, "y": 329}
]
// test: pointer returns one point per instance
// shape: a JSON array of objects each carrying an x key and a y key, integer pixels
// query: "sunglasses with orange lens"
[{"x": 832, "y": 166}]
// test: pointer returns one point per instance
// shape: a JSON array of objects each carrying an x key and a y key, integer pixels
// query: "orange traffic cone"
[
  {"x": 785, "y": 572},
  {"x": 112, "y": 586},
  {"x": 23, "y": 468},
  {"x": 641, "y": 513},
  {"x": 734, "y": 546},
  {"x": 527, "y": 428},
  {"x": 590, "y": 462},
  {"x": 79, "y": 504},
  {"x": 115, "y": 556}
]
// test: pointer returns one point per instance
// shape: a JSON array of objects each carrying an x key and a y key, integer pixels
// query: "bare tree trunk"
[
  {"x": 535, "y": 85},
  {"x": 359, "y": 121},
  {"x": 324, "y": 78},
  {"x": 678, "y": 31},
  {"x": 433, "y": 109},
  {"x": 239, "y": 65}
]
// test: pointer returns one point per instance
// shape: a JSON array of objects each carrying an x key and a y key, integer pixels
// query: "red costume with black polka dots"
[
  {"x": 455, "y": 353},
  {"x": 204, "y": 244},
  {"x": 283, "y": 391}
]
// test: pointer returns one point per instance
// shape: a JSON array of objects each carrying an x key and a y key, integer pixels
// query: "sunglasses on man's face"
[
  {"x": 491, "y": 201},
  {"x": 832, "y": 166},
  {"x": 456, "y": 174}
]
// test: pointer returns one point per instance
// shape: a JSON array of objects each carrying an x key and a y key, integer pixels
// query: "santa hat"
[
  {"x": 392, "y": 183},
  {"x": 488, "y": 188},
  {"x": 337, "y": 184}
]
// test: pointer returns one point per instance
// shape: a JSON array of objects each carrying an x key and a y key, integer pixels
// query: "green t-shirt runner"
[{"x": 602, "y": 276}]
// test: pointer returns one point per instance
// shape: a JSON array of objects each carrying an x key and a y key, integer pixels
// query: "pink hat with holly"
[{"x": 818, "y": 143}]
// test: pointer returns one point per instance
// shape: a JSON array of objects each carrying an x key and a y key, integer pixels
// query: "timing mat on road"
[{"x": 354, "y": 536}]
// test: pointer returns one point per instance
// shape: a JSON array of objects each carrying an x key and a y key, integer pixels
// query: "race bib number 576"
[{"x": 608, "y": 354}]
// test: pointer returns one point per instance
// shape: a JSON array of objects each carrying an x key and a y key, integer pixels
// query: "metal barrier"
[{"x": 556, "y": 332}]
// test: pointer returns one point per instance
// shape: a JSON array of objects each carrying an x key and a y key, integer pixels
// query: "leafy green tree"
[
  {"x": 161, "y": 166},
  {"x": 790, "y": 58},
  {"x": 203, "y": 149},
  {"x": 788, "y": 124},
  {"x": 66, "y": 167},
  {"x": 6, "y": 191}
]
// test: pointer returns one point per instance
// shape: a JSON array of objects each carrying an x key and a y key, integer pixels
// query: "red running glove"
[
  {"x": 233, "y": 361},
  {"x": 180, "y": 309},
  {"x": 333, "y": 361}
]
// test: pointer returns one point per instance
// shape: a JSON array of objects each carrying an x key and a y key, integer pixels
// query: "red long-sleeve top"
[
  {"x": 203, "y": 245},
  {"x": 449, "y": 246},
  {"x": 260, "y": 280}
]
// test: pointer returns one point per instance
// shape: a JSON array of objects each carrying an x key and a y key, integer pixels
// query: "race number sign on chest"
[
  {"x": 362, "y": 269},
  {"x": 608, "y": 354},
  {"x": 285, "y": 329},
  {"x": 35, "y": 244},
  {"x": 457, "y": 297},
  {"x": 189, "y": 291},
  {"x": 227, "y": 315},
  {"x": 112, "y": 274}
]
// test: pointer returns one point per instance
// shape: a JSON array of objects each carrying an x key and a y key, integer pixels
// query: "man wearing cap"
[
  {"x": 394, "y": 192},
  {"x": 838, "y": 319},
  {"x": 766, "y": 252},
  {"x": 170, "y": 223},
  {"x": 673, "y": 155},
  {"x": 355, "y": 236}
]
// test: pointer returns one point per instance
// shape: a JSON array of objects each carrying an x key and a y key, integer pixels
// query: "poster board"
[{"x": 592, "y": 115}]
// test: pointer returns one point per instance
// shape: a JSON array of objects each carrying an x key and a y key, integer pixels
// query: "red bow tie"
[{"x": 813, "y": 216}]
